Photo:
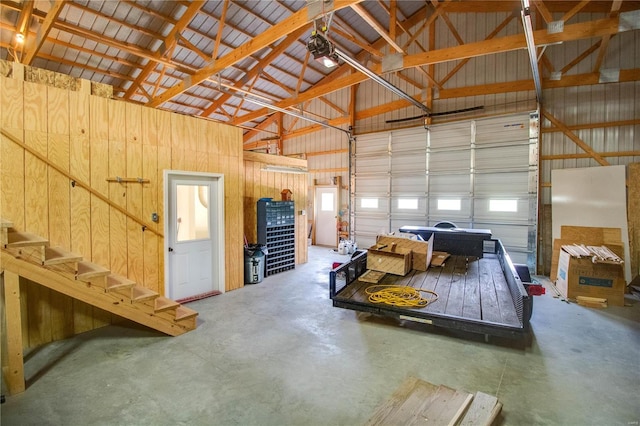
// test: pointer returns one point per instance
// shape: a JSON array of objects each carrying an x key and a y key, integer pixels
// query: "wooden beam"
[
  {"x": 546, "y": 15},
  {"x": 34, "y": 45},
  {"x": 222, "y": 21},
  {"x": 183, "y": 41},
  {"x": 330, "y": 152},
  {"x": 24, "y": 19},
  {"x": 373, "y": 23},
  {"x": 602, "y": 154},
  {"x": 585, "y": 147},
  {"x": 577, "y": 8},
  {"x": 259, "y": 42},
  {"x": 361, "y": 44},
  {"x": 14, "y": 373},
  {"x": 634, "y": 122},
  {"x": 257, "y": 69},
  {"x": 167, "y": 46},
  {"x": 615, "y": 7},
  {"x": 493, "y": 33},
  {"x": 393, "y": 18}
]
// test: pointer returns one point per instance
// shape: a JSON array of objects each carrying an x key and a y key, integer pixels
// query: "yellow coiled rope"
[{"x": 402, "y": 296}]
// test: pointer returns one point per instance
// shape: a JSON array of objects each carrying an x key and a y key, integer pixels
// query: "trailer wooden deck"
[
  {"x": 467, "y": 287},
  {"x": 482, "y": 295}
]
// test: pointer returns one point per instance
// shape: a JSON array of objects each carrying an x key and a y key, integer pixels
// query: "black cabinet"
[{"x": 277, "y": 231}]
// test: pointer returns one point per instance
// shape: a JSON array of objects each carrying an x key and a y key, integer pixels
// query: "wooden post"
[{"x": 14, "y": 373}]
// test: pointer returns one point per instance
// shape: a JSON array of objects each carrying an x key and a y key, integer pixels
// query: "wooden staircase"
[{"x": 30, "y": 256}]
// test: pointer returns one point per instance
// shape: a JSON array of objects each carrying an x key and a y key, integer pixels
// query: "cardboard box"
[
  {"x": 391, "y": 259},
  {"x": 421, "y": 251},
  {"x": 582, "y": 277}
]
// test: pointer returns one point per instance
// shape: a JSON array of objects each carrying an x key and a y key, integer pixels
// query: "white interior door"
[
  {"x": 193, "y": 239},
  {"x": 326, "y": 216}
]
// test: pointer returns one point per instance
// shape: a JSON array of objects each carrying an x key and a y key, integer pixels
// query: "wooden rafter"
[
  {"x": 166, "y": 46},
  {"x": 493, "y": 33},
  {"x": 33, "y": 45},
  {"x": 259, "y": 42},
  {"x": 577, "y": 8},
  {"x": 260, "y": 127},
  {"x": 221, "y": 24},
  {"x": 361, "y": 44},
  {"x": 503, "y": 44},
  {"x": 579, "y": 142},
  {"x": 373, "y": 23},
  {"x": 304, "y": 68},
  {"x": 183, "y": 41},
  {"x": 258, "y": 68},
  {"x": 22, "y": 25},
  {"x": 424, "y": 25},
  {"x": 581, "y": 56},
  {"x": 393, "y": 18},
  {"x": 544, "y": 12},
  {"x": 615, "y": 8}
]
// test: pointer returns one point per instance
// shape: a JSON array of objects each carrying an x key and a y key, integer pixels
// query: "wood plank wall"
[
  {"x": 266, "y": 184},
  {"x": 94, "y": 138}
]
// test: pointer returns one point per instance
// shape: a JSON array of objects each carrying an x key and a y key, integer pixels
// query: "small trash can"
[{"x": 254, "y": 263}]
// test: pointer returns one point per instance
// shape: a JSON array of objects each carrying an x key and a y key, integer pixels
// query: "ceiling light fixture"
[
  {"x": 320, "y": 47},
  {"x": 20, "y": 38}
]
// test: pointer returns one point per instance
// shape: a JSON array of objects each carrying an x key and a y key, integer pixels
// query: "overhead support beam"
[
  {"x": 221, "y": 22},
  {"x": 166, "y": 47},
  {"x": 259, "y": 42},
  {"x": 531, "y": 48},
  {"x": 615, "y": 9},
  {"x": 34, "y": 45},
  {"x": 373, "y": 23},
  {"x": 585, "y": 147},
  {"x": 583, "y": 30}
]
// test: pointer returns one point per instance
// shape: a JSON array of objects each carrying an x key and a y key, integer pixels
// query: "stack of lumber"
[
  {"x": 587, "y": 236},
  {"x": 419, "y": 402}
]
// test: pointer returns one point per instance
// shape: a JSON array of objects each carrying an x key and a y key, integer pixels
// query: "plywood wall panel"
[
  {"x": 11, "y": 104},
  {"x": 117, "y": 121},
  {"x": 58, "y": 104},
  {"x": 100, "y": 166},
  {"x": 58, "y": 150},
  {"x": 80, "y": 207},
  {"x": 149, "y": 126},
  {"x": 37, "y": 141},
  {"x": 177, "y": 159},
  {"x": 164, "y": 163},
  {"x": 12, "y": 182},
  {"x": 62, "y": 323},
  {"x": 163, "y": 120},
  {"x": 100, "y": 219},
  {"x": 35, "y": 196},
  {"x": 79, "y": 142},
  {"x": 35, "y": 107},
  {"x": 118, "y": 168},
  {"x": 99, "y": 119},
  {"x": 82, "y": 317},
  {"x": 135, "y": 252},
  {"x": 39, "y": 314},
  {"x": 150, "y": 190},
  {"x": 118, "y": 242},
  {"x": 151, "y": 277},
  {"x": 59, "y": 209},
  {"x": 134, "y": 170}
]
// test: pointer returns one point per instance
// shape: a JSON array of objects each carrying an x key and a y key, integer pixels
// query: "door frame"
[
  {"x": 338, "y": 185},
  {"x": 217, "y": 227}
]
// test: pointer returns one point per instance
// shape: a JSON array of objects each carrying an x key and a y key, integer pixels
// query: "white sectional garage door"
[{"x": 477, "y": 174}]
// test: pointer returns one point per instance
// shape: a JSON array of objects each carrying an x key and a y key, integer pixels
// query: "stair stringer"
[{"x": 93, "y": 295}]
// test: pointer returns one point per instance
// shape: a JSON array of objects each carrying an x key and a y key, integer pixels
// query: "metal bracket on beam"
[
  {"x": 629, "y": 21},
  {"x": 555, "y": 27},
  {"x": 317, "y": 8},
  {"x": 392, "y": 62},
  {"x": 609, "y": 76}
]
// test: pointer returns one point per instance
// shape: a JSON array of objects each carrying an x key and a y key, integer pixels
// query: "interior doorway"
[
  {"x": 326, "y": 216},
  {"x": 194, "y": 235}
]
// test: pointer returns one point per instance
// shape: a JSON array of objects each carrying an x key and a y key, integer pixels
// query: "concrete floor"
[{"x": 278, "y": 353}]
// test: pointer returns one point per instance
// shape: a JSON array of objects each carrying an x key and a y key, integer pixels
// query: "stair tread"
[
  {"x": 87, "y": 270},
  {"x": 115, "y": 282},
  {"x": 182, "y": 313},
  {"x": 25, "y": 239},
  {"x": 57, "y": 255},
  {"x": 5, "y": 223},
  {"x": 139, "y": 294},
  {"x": 164, "y": 304}
]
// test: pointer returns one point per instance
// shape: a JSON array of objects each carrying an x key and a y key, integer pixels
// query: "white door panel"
[{"x": 326, "y": 202}]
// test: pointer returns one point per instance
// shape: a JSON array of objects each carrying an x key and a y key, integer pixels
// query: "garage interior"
[{"x": 139, "y": 140}]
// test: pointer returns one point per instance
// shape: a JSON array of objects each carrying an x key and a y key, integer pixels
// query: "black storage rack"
[{"x": 277, "y": 231}]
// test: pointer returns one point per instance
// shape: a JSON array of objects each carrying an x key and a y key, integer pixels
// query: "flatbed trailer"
[{"x": 479, "y": 293}]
